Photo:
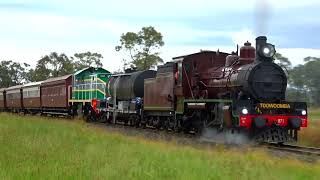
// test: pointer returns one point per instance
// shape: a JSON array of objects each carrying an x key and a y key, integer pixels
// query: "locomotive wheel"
[
  {"x": 88, "y": 119},
  {"x": 126, "y": 122},
  {"x": 167, "y": 124},
  {"x": 177, "y": 125},
  {"x": 177, "y": 129},
  {"x": 91, "y": 117},
  {"x": 138, "y": 122},
  {"x": 108, "y": 120},
  {"x": 132, "y": 120},
  {"x": 143, "y": 125},
  {"x": 159, "y": 123}
]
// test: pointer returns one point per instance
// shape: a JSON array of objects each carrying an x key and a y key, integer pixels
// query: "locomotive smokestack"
[
  {"x": 264, "y": 51},
  {"x": 260, "y": 42}
]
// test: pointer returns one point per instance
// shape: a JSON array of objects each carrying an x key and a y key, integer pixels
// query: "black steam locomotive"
[{"x": 238, "y": 92}]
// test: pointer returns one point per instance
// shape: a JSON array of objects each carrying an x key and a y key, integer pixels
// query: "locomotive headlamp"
[
  {"x": 268, "y": 50},
  {"x": 303, "y": 112},
  {"x": 244, "y": 111}
]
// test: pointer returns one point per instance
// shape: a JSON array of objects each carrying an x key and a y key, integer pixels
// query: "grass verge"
[
  {"x": 310, "y": 136},
  {"x": 42, "y": 148}
]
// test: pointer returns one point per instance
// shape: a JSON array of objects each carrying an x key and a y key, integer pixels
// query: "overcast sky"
[{"x": 30, "y": 29}]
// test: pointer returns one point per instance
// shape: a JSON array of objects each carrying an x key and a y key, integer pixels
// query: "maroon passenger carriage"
[
  {"x": 14, "y": 102},
  {"x": 3, "y": 99},
  {"x": 31, "y": 97},
  {"x": 55, "y": 95}
]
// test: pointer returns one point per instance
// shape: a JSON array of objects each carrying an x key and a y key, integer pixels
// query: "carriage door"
[{"x": 178, "y": 91}]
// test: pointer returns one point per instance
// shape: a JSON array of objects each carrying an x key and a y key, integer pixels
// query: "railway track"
[
  {"x": 303, "y": 150},
  {"x": 190, "y": 139}
]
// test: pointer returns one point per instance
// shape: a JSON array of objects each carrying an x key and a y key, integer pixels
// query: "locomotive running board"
[{"x": 55, "y": 113}]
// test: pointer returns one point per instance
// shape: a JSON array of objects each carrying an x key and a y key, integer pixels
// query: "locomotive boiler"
[{"x": 252, "y": 74}]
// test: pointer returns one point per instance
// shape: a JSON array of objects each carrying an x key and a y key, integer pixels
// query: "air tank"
[{"x": 129, "y": 85}]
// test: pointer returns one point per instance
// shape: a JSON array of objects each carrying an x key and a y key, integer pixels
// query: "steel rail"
[{"x": 293, "y": 148}]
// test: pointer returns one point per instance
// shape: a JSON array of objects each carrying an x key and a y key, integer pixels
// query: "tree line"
[
  {"x": 51, "y": 65},
  {"x": 304, "y": 82},
  {"x": 303, "y": 79}
]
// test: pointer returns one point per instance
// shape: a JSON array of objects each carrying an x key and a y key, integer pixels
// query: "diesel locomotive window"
[{"x": 101, "y": 86}]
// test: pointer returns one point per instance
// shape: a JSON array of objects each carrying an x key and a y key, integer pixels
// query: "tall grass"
[
  {"x": 314, "y": 114},
  {"x": 42, "y": 148},
  {"x": 310, "y": 136}
]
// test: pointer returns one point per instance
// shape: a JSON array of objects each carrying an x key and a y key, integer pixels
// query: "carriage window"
[
  {"x": 63, "y": 91},
  {"x": 179, "y": 75}
]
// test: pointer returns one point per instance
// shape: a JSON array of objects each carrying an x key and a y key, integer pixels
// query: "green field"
[
  {"x": 310, "y": 136},
  {"x": 47, "y": 148},
  {"x": 314, "y": 114}
]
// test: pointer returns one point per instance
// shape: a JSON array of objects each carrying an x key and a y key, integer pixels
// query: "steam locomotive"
[{"x": 242, "y": 93}]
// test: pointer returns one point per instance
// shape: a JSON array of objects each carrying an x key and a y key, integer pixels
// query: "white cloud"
[
  {"x": 43, "y": 24},
  {"x": 57, "y": 33},
  {"x": 113, "y": 60},
  {"x": 39, "y": 26},
  {"x": 169, "y": 8},
  {"x": 243, "y": 36},
  {"x": 296, "y": 55},
  {"x": 28, "y": 36}
]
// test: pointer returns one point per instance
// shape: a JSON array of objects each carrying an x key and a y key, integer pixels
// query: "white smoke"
[{"x": 224, "y": 137}]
